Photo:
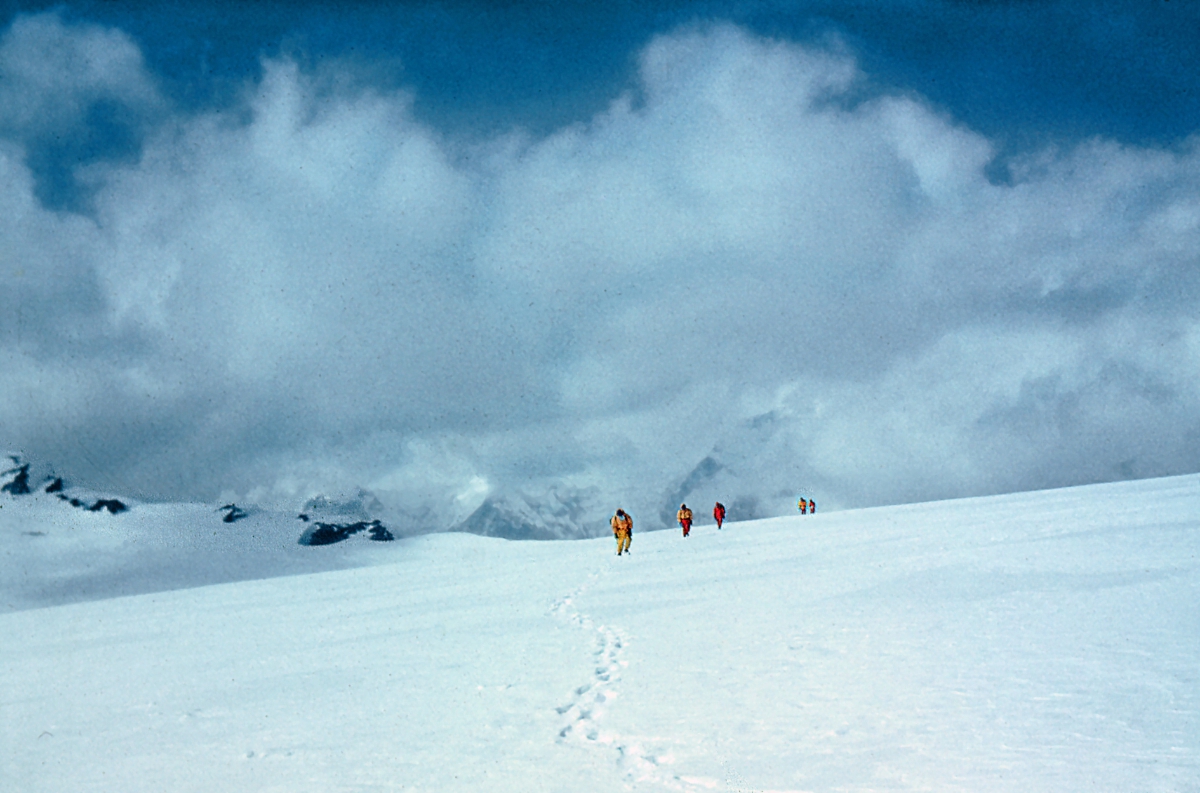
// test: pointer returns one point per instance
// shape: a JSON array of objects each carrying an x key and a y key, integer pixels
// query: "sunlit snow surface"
[{"x": 1035, "y": 642}]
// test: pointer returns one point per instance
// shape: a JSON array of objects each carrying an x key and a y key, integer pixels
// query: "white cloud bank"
[{"x": 743, "y": 281}]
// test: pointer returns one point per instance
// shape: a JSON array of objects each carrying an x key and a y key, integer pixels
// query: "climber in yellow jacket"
[
  {"x": 622, "y": 526},
  {"x": 684, "y": 516}
]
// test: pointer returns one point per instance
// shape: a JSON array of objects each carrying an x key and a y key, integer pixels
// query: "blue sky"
[
  {"x": 1025, "y": 73},
  {"x": 1029, "y": 67},
  {"x": 566, "y": 253}
]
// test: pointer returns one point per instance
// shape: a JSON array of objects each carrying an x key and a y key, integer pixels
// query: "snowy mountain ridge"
[
  {"x": 542, "y": 509},
  {"x": 553, "y": 516}
]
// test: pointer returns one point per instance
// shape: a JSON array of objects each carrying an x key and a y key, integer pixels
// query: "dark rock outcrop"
[
  {"x": 330, "y": 533},
  {"x": 111, "y": 504},
  {"x": 19, "y": 486},
  {"x": 379, "y": 533},
  {"x": 233, "y": 513}
]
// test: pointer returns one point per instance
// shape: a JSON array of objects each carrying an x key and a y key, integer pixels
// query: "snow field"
[
  {"x": 373, "y": 680},
  {"x": 1033, "y": 642},
  {"x": 54, "y": 554}
]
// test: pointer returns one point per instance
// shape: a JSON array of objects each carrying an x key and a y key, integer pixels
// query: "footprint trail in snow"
[{"x": 583, "y": 716}]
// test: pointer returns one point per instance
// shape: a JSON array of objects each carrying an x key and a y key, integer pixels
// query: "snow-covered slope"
[
  {"x": 1032, "y": 642},
  {"x": 54, "y": 554}
]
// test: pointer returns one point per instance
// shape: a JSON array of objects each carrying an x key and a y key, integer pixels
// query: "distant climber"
[
  {"x": 684, "y": 516},
  {"x": 622, "y": 526},
  {"x": 802, "y": 505},
  {"x": 719, "y": 514},
  {"x": 812, "y": 507}
]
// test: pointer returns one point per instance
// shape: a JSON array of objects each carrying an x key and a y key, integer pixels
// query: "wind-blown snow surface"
[{"x": 1035, "y": 642}]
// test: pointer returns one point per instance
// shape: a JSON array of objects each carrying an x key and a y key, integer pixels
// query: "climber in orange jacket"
[
  {"x": 622, "y": 526},
  {"x": 684, "y": 516}
]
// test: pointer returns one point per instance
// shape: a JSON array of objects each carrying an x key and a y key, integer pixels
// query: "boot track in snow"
[{"x": 583, "y": 716}]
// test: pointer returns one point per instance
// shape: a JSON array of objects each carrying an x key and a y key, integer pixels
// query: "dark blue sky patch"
[
  {"x": 108, "y": 133},
  {"x": 1020, "y": 72},
  {"x": 1025, "y": 74}
]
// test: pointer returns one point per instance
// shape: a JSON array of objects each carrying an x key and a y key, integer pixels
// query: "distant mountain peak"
[
  {"x": 360, "y": 505},
  {"x": 557, "y": 514}
]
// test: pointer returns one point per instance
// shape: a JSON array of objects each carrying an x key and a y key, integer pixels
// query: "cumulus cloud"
[
  {"x": 747, "y": 278},
  {"x": 72, "y": 95},
  {"x": 52, "y": 75}
]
